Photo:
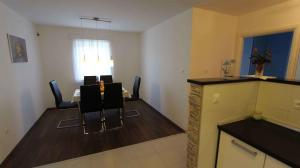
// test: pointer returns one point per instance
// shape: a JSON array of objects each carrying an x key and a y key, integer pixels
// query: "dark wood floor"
[{"x": 45, "y": 144}]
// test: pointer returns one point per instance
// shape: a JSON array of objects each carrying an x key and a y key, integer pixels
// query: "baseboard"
[
  {"x": 51, "y": 108},
  {"x": 166, "y": 118}
]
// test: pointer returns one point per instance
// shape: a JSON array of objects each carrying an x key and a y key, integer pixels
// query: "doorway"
[{"x": 280, "y": 46}]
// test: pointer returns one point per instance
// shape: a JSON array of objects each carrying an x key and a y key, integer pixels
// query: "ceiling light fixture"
[{"x": 97, "y": 19}]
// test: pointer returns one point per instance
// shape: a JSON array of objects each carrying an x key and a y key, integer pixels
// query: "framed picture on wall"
[{"x": 17, "y": 47}]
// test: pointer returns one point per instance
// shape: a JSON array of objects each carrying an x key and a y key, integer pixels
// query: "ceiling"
[
  {"x": 237, "y": 7},
  {"x": 127, "y": 15}
]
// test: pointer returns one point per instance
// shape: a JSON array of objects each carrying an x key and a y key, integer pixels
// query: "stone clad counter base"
[{"x": 195, "y": 104}]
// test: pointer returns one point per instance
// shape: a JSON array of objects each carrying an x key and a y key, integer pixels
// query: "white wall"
[
  {"x": 236, "y": 101},
  {"x": 165, "y": 62},
  {"x": 21, "y": 99},
  {"x": 213, "y": 41},
  {"x": 56, "y": 51},
  {"x": 277, "y": 103},
  {"x": 192, "y": 44}
]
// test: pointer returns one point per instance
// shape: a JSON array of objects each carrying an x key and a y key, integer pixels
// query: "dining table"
[{"x": 76, "y": 95}]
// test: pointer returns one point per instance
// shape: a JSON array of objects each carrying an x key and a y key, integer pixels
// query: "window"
[{"x": 91, "y": 58}]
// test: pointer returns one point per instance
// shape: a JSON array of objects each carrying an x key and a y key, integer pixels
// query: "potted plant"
[{"x": 259, "y": 59}]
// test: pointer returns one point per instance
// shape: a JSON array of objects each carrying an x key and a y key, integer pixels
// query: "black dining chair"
[
  {"x": 90, "y": 101},
  {"x": 134, "y": 97},
  {"x": 135, "y": 90},
  {"x": 106, "y": 78},
  {"x": 113, "y": 106},
  {"x": 90, "y": 80},
  {"x": 61, "y": 104}
]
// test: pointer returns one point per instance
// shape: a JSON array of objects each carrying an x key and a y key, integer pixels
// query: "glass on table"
[{"x": 101, "y": 86}]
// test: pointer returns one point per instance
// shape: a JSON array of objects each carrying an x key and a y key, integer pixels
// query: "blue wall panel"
[{"x": 280, "y": 45}]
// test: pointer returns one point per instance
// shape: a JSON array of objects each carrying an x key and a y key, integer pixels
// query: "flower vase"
[{"x": 259, "y": 70}]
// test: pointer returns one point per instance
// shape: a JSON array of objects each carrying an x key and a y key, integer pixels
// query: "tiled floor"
[{"x": 168, "y": 152}]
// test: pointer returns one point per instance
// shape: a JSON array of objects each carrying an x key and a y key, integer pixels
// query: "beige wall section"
[
  {"x": 165, "y": 61},
  {"x": 277, "y": 103},
  {"x": 21, "y": 98},
  {"x": 56, "y": 49},
  {"x": 235, "y": 102},
  {"x": 213, "y": 41},
  {"x": 277, "y": 18}
]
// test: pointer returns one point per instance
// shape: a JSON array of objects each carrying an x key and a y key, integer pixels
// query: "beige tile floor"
[{"x": 168, "y": 152}]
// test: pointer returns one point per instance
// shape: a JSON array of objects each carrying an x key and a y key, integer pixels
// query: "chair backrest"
[
  {"x": 90, "y": 98},
  {"x": 90, "y": 80},
  {"x": 56, "y": 93},
  {"x": 113, "y": 97},
  {"x": 106, "y": 78},
  {"x": 136, "y": 87}
]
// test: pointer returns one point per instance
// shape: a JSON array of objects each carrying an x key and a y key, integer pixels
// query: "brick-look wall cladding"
[{"x": 195, "y": 99}]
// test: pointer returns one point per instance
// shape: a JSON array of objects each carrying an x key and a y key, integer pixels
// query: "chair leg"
[
  {"x": 102, "y": 122},
  {"x": 84, "y": 131},
  {"x": 83, "y": 124},
  {"x": 67, "y": 126},
  {"x": 122, "y": 116},
  {"x": 103, "y": 119},
  {"x": 83, "y": 119},
  {"x": 118, "y": 127},
  {"x": 133, "y": 115},
  {"x": 136, "y": 113}
]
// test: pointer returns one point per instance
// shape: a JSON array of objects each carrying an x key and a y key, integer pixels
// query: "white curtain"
[{"x": 91, "y": 58}]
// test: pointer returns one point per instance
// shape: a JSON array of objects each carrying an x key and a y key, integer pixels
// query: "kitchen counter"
[
  {"x": 211, "y": 81},
  {"x": 276, "y": 141}
]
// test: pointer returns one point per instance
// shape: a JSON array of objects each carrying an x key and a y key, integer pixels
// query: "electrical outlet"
[
  {"x": 297, "y": 104},
  {"x": 216, "y": 98},
  {"x": 6, "y": 131}
]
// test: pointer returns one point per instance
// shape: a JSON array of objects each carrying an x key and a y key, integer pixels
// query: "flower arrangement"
[{"x": 261, "y": 58}]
